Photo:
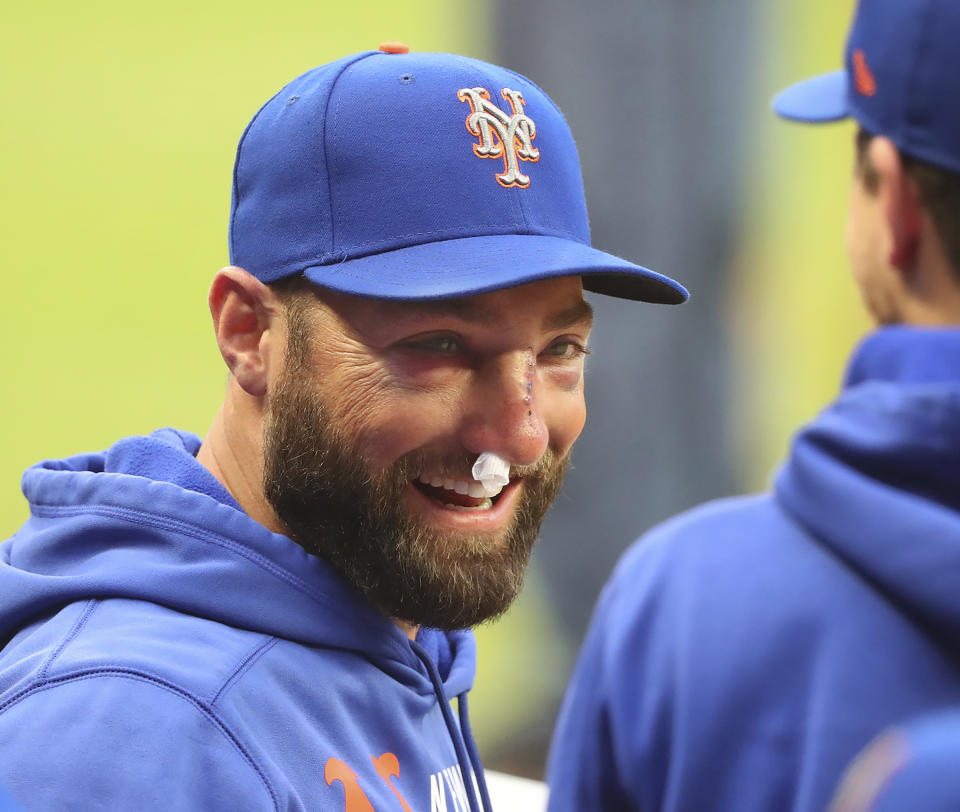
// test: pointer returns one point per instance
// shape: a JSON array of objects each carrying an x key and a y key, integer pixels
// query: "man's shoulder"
[
  {"x": 139, "y": 639},
  {"x": 96, "y": 726},
  {"x": 726, "y": 558},
  {"x": 728, "y": 528},
  {"x": 113, "y": 699}
]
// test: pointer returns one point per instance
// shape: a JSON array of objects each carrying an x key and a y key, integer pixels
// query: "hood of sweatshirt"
[
  {"x": 145, "y": 521},
  {"x": 876, "y": 477}
]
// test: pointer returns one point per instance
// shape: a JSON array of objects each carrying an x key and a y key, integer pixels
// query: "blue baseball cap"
[
  {"x": 901, "y": 80},
  {"x": 418, "y": 176}
]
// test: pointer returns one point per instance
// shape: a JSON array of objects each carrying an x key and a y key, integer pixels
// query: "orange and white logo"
[
  {"x": 863, "y": 78},
  {"x": 501, "y": 136}
]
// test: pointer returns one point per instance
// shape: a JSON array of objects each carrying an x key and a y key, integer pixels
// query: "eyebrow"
[{"x": 580, "y": 313}]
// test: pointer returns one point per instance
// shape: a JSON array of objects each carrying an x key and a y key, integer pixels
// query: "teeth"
[
  {"x": 476, "y": 490},
  {"x": 485, "y": 505},
  {"x": 467, "y": 487}
]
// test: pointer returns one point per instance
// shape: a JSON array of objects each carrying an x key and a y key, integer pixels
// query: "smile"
[{"x": 458, "y": 494}]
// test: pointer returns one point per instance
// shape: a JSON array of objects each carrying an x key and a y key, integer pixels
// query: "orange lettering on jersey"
[
  {"x": 355, "y": 800},
  {"x": 387, "y": 767}
]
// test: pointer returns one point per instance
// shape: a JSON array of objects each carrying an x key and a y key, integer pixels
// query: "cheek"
[
  {"x": 852, "y": 226},
  {"x": 854, "y": 244},
  {"x": 354, "y": 392},
  {"x": 565, "y": 415},
  {"x": 863, "y": 238},
  {"x": 357, "y": 392},
  {"x": 390, "y": 424}
]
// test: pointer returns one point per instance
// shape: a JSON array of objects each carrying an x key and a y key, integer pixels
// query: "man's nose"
[{"x": 503, "y": 413}]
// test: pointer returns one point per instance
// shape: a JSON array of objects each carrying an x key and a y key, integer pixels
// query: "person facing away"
[
  {"x": 277, "y": 617},
  {"x": 743, "y": 653}
]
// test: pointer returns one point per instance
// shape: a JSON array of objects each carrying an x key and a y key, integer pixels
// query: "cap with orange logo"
[
  {"x": 399, "y": 174},
  {"x": 901, "y": 80}
]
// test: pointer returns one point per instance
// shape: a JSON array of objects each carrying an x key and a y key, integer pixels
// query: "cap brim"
[
  {"x": 471, "y": 265},
  {"x": 816, "y": 100}
]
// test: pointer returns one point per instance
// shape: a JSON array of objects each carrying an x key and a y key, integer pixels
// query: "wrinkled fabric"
[{"x": 164, "y": 651}]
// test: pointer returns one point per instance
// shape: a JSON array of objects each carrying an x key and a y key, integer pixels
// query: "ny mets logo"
[{"x": 501, "y": 136}]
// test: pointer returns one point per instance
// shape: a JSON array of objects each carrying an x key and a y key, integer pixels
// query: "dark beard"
[{"x": 355, "y": 519}]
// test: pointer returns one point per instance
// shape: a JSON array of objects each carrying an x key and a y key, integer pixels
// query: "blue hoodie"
[
  {"x": 744, "y": 652},
  {"x": 909, "y": 768},
  {"x": 161, "y": 650}
]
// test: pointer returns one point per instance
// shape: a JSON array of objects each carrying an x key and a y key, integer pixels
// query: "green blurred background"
[{"x": 117, "y": 140}]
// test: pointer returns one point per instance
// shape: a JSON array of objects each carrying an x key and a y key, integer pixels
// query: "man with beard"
[
  {"x": 277, "y": 617},
  {"x": 744, "y": 652}
]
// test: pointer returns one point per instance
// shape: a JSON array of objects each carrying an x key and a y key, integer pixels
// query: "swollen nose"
[{"x": 509, "y": 419}]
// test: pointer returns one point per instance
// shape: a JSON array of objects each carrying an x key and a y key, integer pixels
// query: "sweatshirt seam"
[
  {"x": 71, "y": 635},
  {"x": 124, "y": 673},
  {"x": 242, "y": 667},
  {"x": 192, "y": 531}
]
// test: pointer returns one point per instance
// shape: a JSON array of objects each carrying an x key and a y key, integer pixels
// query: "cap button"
[{"x": 394, "y": 48}]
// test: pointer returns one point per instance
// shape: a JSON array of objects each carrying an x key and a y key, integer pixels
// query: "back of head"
[{"x": 901, "y": 80}]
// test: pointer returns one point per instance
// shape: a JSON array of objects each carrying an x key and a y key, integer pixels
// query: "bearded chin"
[{"x": 356, "y": 521}]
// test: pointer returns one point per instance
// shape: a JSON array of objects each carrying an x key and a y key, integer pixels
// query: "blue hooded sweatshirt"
[
  {"x": 161, "y": 650},
  {"x": 909, "y": 768},
  {"x": 744, "y": 652}
]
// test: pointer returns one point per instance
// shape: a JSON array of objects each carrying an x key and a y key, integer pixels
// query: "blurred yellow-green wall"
[{"x": 793, "y": 310}]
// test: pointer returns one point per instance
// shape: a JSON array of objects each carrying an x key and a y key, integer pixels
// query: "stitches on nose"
[
  {"x": 528, "y": 391},
  {"x": 504, "y": 416}
]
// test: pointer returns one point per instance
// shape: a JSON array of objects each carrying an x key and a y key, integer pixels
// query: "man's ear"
[
  {"x": 900, "y": 203},
  {"x": 245, "y": 316}
]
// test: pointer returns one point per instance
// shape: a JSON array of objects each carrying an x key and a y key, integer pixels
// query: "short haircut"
[
  {"x": 939, "y": 192},
  {"x": 298, "y": 295}
]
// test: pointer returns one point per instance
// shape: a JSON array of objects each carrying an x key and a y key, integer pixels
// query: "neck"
[
  {"x": 233, "y": 452},
  {"x": 407, "y": 628},
  {"x": 938, "y": 311},
  {"x": 931, "y": 287}
]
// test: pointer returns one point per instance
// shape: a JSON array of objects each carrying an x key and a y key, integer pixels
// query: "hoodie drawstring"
[
  {"x": 468, "y": 765},
  {"x": 472, "y": 750}
]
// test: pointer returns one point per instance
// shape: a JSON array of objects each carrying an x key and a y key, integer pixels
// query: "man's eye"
[
  {"x": 565, "y": 348},
  {"x": 440, "y": 345}
]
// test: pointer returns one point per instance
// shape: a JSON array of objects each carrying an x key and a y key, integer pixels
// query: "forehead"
[{"x": 550, "y": 303}]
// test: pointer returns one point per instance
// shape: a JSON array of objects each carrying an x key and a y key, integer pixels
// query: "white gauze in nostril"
[{"x": 492, "y": 471}]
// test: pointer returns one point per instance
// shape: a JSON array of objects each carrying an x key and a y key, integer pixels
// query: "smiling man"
[
  {"x": 278, "y": 617},
  {"x": 369, "y": 414}
]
